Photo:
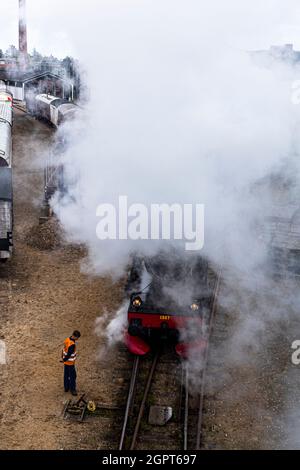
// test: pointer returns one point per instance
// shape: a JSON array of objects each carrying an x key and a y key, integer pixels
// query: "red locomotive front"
[{"x": 169, "y": 301}]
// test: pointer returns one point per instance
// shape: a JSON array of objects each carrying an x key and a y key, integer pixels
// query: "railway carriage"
[
  {"x": 55, "y": 111},
  {"x": 6, "y": 190},
  {"x": 52, "y": 109}
]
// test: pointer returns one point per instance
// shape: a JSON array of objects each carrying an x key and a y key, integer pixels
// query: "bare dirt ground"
[
  {"x": 49, "y": 298},
  {"x": 44, "y": 296}
]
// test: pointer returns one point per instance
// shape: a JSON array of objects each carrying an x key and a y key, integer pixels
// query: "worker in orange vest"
[{"x": 69, "y": 358}]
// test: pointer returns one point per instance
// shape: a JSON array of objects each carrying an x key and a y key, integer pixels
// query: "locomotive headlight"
[
  {"x": 194, "y": 307},
  {"x": 137, "y": 302}
]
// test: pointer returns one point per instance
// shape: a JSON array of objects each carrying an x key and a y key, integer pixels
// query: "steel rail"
[
  {"x": 129, "y": 399},
  {"x": 143, "y": 403},
  {"x": 203, "y": 378}
]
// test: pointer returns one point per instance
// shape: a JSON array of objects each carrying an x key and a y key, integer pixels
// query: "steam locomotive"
[
  {"x": 6, "y": 189},
  {"x": 169, "y": 300}
]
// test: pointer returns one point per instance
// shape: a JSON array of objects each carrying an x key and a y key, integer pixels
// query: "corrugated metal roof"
[
  {"x": 6, "y": 113},
  {"x": 27, "y": 76},
  {"x": 5, "y": 142},
  {"x": 45, "y": 98}
]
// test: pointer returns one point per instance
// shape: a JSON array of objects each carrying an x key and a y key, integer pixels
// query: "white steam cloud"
[{"x": 178, "y": 114}]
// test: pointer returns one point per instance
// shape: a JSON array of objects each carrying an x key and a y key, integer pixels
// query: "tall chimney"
[{"x": 22, "y": 29}]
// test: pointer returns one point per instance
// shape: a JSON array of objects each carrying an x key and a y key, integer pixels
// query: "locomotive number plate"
[{"x": 164, "y": 317}]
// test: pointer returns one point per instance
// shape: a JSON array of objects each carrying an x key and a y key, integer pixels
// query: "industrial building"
[
  {"x": 23, "y": 83},
  {"x": 24, "y": 80}
]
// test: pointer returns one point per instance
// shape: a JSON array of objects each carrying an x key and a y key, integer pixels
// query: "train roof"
[
  {"x": 169, "y": 285},
  {"x": 46, "y": 98},
  {"x": 6, "y": 114},
  {"x": 65, "y": 105},
  {"x": 68, "y": 108}
]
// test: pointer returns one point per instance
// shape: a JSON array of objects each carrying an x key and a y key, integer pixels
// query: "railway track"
[
  {"x": 201, "y": 395},
  {"x": 20, "y": 107},
  {"x": 175, "y": 396},
  {"x": 154, "y": 386}
]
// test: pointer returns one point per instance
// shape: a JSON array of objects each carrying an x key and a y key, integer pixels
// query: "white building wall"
[{"x": 17, "y": 92}]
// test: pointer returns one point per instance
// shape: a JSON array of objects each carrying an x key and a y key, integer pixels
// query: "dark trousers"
[{"x": 70, "y": 378}]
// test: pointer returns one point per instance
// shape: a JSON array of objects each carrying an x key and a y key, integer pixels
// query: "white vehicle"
[{"x": 6, "y": 191}]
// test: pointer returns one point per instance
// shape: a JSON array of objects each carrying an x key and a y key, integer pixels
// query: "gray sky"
[
  {"x": 55, "y": 25},
  {"x": 45, "y": 27}
]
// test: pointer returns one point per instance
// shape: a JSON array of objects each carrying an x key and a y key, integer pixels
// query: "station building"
[{"x": 25, "y": 84}]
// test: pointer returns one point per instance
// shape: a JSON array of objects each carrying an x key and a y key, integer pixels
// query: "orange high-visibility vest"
[{"x": 71, "y": 361}]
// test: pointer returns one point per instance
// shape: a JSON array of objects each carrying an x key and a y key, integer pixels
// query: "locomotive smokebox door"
[{"x": 160, "y": 415}]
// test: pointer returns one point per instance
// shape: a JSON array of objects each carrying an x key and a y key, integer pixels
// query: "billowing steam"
[
  {"x": 110, "y": 327},
  {"x": 176, "y": 116},
  {"x": 179, "y": 112}
]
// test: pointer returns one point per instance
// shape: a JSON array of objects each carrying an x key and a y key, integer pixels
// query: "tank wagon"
[{"x": 6, "y": 189}]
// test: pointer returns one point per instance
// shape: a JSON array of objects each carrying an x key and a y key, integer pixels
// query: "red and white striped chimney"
[{"x": 22, "y": 29}]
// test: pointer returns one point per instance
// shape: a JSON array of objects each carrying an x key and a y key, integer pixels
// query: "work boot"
[
  {"x": 66, "y": 390},
  {"x": 74, "y": 393}
]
